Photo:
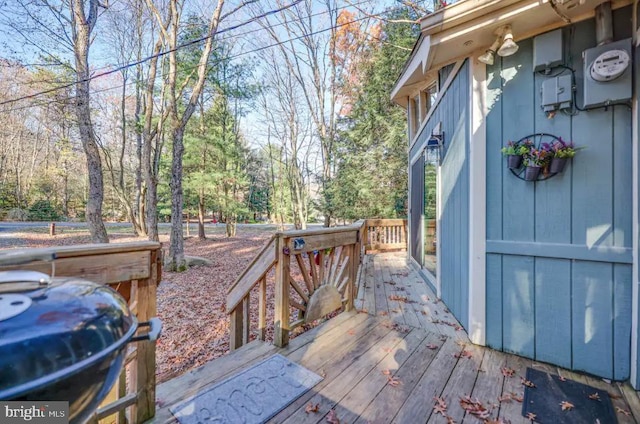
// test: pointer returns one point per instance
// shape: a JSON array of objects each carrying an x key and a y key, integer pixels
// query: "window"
[
  {"x": 415, "y": 116},
  {"x": 430, "y": 210},
  {"x": 430, "y": 96}
]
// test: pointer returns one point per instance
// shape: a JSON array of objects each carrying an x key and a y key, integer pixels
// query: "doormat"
[
  {"x": 251, "y": 396},
  {"x": 545, "y": 400}
]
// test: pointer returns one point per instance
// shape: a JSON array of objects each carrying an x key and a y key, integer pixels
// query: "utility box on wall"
[
  {"x": 547, "y": 50},
  {"x": 607, "y": 74},
  {"x": 557, "y": 93}
]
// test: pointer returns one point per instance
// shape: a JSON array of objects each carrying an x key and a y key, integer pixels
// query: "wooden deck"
[{"x": 407, "y": 334}]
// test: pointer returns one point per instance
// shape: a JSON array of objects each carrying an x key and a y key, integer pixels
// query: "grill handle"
[
  {"x": 155, "y": 328},
  {"x": 19, "y": 281}
]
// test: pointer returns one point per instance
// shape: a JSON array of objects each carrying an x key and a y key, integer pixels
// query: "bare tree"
[
  {"x": 55, "y": 30},
  {"x": 82, "y": 25},
  {"x": 307, "y": 53},
  {"x": 285, "y": 111}
]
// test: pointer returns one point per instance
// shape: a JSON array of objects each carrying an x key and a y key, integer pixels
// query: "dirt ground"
[{"x": 191, "y": 304}]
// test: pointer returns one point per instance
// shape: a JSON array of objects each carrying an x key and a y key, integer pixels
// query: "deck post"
[
  {"x": 145, "y": 370},
  {"x": 281, "y": 312}
]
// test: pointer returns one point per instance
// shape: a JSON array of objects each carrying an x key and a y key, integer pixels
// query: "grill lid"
[{"x": 60, "y": 324}]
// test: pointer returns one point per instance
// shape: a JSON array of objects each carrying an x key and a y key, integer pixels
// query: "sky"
[{"x": 21, "y": 40}]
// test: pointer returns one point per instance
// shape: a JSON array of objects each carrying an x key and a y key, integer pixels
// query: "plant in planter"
[
  {"x": 534, "y": 161},
  {"x": 515, "y": 152},
  {"x": 561, "y": 151}
]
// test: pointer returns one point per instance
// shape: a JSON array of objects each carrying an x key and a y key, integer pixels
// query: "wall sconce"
[
  {"x": 489, "y": 55},
  {"x": 435, "y": 142},
  {"x": 503, "y": 45},
  {"x": 509, "y": 46}
]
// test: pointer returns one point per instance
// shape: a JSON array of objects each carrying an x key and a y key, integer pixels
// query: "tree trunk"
[
  {"x": 150, "y": 134},
  {"x": 231, "y": 226},
  {"x": 139, "y": 212},
  {"x": 175, "y": 260},
  {"x": 201, "y": 234},
  {"x": 82, "y": 40}
]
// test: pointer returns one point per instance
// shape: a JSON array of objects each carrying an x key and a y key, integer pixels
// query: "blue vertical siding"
[
  {"x": 452, "y": 112},
  {"x": 558, "y": 251},
  {"x": 635, "y": 282}
]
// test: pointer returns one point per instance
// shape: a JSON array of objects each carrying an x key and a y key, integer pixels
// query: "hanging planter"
[
  {"x": 530, "y": 155},
  {"x": 514, "y": 161},
  {"x": 531, "y": 173},
  {"x": 557, "y": 165}
]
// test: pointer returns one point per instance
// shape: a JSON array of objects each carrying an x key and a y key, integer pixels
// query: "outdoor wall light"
[
  {"x": 489, "y": 55},
  {"x": 509, "y": 46},
  {"x": 504, "y": 46},
  {"x": 435, "y": 142}
]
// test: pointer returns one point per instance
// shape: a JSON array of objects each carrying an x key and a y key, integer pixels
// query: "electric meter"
[
  {"x": 608, "y": 79},
  {"x": 610, "y": 65}
]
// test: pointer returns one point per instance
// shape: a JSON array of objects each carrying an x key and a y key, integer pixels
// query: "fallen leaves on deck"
[
  {"x": 531, "y": 416},
  {"x": 440, "y": 407},
  {"x": 393, "y": 381},
  {"x": 332, "y": 418},
  {"x": 508, "y": 397},
  {"x": 474, "y": 407},
  {"x": 464, "y": 354},
  {"x": 312, "y": 408},
  {"x": 432, "y": 346},
  {"x": 594, "y": 396},
  {"x": 398, "y": 298},
  {"x": 508, "y": 372},
  {"x": 566, "y": 406},
  {"x": 622, "y": 411},
  {"x": 527, "y": 383}
]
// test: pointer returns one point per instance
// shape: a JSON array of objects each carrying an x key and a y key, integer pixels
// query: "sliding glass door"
[{"x": 430, "y": 211}]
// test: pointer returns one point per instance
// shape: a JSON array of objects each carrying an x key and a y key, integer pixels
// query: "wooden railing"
[
  {"x": 325, "y": 265},
  {"x": 327, "y": 262},
  {"x": 134, "y": 269},
  {"x": 385, "y": 234}
]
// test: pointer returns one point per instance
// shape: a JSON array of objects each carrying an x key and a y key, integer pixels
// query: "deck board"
[
  {"x": 352, "y": 350},
  {"x": 420, "y": 401},
  {"x": 353, "y": 404},
  {"x": 393, "y": 397},
  {"x": 333, "y": 392}
]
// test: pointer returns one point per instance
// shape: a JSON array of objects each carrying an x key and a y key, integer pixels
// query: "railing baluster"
[
  {"x": 262, "y": 309},
  {"x": 246, "y": 319},
  {"x": 236, "y": 325}
]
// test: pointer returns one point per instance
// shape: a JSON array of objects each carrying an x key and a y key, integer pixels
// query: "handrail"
[
  {"x": 328, "y": 259},
  {"x": 134, "y": 269},
  {"x": 264, "y": 260}
]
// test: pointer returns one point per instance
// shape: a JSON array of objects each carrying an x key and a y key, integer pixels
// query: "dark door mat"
[
  {"x": 545, "y": 401},
  {"x": 251, "y": 396}
]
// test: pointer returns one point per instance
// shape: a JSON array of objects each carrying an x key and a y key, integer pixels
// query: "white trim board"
[
  {"x": 477, "y": 201},
  {"x": 442, "y": 90},
  {"x": 634, "y": 241},
  {"x": 635, "y": 212}
]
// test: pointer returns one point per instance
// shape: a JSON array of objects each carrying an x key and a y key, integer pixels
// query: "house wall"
[
  {"x": 559, "y": 252},
  {"x": 453, "y": 114}
]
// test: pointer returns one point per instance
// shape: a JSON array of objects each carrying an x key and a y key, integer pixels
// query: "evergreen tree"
[{"x": 371, "y": 178}]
